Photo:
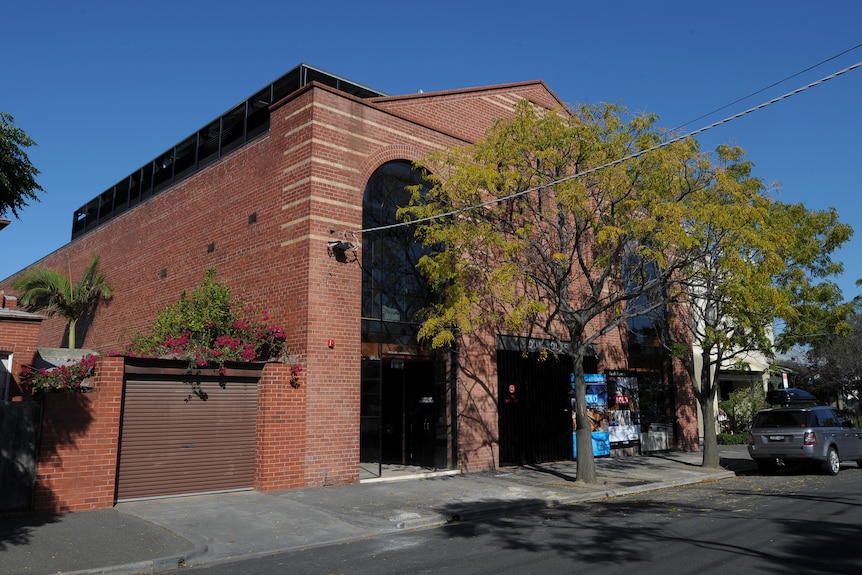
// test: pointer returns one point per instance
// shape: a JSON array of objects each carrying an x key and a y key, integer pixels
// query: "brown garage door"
[{"x": 173, "y": 444}]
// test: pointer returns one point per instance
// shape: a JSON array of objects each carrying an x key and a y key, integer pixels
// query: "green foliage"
[
  {"x": 747, "y": 263},
  {"x": 742, "y": 406},
  {"x": 538, "y": 230},
  {"x": 536, "y": 238},
  {"x": 732, "y": 438},
  {"x": 835, "y": 365},
  {"x": 47, "y": 290},
  {"x": 567, "y": 225},
  {"x": 210, "y": 327},
  {"x": 17, "y": 175}
]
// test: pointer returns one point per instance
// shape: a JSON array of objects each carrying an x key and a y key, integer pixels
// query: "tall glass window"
[{"x": 393, "y": 290}]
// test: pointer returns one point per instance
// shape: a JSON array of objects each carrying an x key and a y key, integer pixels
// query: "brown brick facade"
[
  {"x": 80, "y": 441},
  {"x": 262, "y": 216},
  {"x": 19, "y": 339}
]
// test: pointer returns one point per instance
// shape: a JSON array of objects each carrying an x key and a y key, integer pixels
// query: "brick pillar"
[
  {"x": 280, "y": 450},
  {"x": 80, "y": 438}
]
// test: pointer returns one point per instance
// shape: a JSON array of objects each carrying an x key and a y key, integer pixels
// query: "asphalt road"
[{"x": 788, "y": 523}]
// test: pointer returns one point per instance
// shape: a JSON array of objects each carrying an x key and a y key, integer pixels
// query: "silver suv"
[{"x": 805, "y": 435}]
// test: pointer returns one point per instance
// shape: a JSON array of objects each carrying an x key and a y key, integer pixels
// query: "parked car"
[{"x": 804, "y": 434}]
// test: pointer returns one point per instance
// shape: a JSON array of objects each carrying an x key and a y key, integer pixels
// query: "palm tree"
[{"x": 46, "y": 290}]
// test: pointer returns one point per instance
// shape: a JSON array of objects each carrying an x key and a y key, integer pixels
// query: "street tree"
[
  {"x": 746, "y": 262},
  {"x": 835, "y": 366},
  {"x": 47, "y": 290},
  {"x": 17, "y": 175},
  {"x": 540, "y": 229}
]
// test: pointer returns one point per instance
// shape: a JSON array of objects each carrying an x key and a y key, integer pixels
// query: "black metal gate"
[{"x": 535, "y": 415}]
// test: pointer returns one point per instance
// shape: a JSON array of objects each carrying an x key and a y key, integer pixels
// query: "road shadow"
[
  {"x": 65, "y": 420},
  {"x": 17, "y": 528},
  {"x": 639, "y": 529}
]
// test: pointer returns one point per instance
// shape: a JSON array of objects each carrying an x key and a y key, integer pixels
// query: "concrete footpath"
[{"x": 157, "y": 535}]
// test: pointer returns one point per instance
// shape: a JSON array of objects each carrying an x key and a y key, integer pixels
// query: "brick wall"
[
  {"x": 262, "y": 216},
  {"x": 280, "y": 452},
  {"x": 79, "y": 446},
  {"x": 19, "y": 336}
]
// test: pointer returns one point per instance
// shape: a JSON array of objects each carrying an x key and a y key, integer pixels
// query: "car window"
[
  {"x": 782, "y": 419},
  {"x": 827, "y": 418},
  {"x": 840, "y": 418}
]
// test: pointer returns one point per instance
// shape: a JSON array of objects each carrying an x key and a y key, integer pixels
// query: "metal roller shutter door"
[{"x": 171, "y": 446}]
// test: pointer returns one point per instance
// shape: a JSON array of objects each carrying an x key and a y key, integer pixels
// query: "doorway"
[
  {"x": 535, "y": 419},
  {"x": 403, "y": 413}
]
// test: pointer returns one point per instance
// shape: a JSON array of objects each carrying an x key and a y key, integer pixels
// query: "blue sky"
[{"x": 105, "y": 86}]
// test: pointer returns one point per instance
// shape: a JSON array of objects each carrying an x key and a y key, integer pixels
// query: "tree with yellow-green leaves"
[
  {"x": 567, "y": 225},
  {"x": 530, "y": 237},
  {"x": 751, "y": 264}
]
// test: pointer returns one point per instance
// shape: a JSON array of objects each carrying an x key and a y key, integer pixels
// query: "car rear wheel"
[
  {"x": 832, "y": 465},
  {"x": 766, "y": 466}
]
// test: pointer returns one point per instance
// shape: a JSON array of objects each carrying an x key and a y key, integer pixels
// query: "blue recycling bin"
[{"x": 601, "y": 444}]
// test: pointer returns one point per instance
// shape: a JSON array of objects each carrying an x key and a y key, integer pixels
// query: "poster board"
[
  {"x": 623, "y": 409},
  {"x": 597, "y": 413}
]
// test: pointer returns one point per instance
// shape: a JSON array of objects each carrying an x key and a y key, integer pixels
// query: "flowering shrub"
[
  {"x": 210, "y": 328},
  {"x": 63, "y": 378}
]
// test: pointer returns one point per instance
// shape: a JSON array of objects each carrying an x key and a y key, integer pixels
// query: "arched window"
[{"x": 393, "y": 290}]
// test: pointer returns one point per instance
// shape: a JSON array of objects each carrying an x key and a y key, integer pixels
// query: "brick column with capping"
[
  {"x": 80, "y": 438},
  {"x": 281, "y": 430}
]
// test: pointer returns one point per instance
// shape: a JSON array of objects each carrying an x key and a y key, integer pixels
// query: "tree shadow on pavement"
[
  {"x": 65, "y": 419},
  {"x": 16, "y": 528},
  {"x": 635, "y": 530}
]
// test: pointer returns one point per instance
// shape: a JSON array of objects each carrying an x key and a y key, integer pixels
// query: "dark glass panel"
[
  {"x": 393, "y": 290},
  {"x": 163, "y": 171},
  {"x": 258, "y": 113},
  {"x": 233, "y": 129},
  {"x": 208, "y": 148},
  {"x": 106, "y": 206},
  {"x": 79, "y": 222},
  {"x": 135, "y": 188},
  {"x": 92, "y": 214},
  {"x": 286, "y": 85},
  {"x": 185, "y": 160},
  {"x": 121, "y": 197},
  {"x": 146, "y": 181}
]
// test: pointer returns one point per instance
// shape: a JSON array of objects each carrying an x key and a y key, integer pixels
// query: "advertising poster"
[{"x": 623, "y": 411}]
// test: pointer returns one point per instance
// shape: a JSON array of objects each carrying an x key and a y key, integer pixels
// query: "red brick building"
[
  {"x": 273, "y": 194},
  {"x": 19, "y": 342}
]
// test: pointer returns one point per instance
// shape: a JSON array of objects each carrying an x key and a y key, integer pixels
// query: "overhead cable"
[
  {"x": 774, "y": 84},
  {"x": 620, "y": 160}
]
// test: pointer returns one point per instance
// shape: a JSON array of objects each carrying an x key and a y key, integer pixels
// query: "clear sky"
[{"x": 106, "y": 86}]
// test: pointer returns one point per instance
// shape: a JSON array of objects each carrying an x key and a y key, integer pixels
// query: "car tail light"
[{"x": 810, "y": 438}]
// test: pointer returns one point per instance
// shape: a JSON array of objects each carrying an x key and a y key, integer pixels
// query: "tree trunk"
[
  {"x": 72, "y": 324},
  {"x": 710, "y": 440},
  {"x": 583, "y": 433},
  {"x": 707, "y": 411}
]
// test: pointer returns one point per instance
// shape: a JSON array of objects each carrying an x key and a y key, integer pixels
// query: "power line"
[
  {"x": 699, "y": 118},
  {"x": 620, "y": 160}
]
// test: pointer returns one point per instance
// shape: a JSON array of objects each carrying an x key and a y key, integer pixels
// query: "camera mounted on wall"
[{"x": 342, "y": 250}]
